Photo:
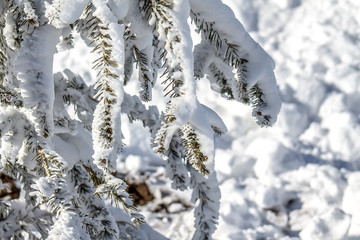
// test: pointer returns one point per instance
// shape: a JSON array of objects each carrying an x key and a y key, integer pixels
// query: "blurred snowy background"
[{"x": 298, "y": 179}]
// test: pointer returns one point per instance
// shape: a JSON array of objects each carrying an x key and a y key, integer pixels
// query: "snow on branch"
[
  {"x": 175, "y": 46},
  {"x": 207, "y": 193},
  {"x": 139, "y": 49},
  {"x": 254, "y": 77},
  {"x": 34, "y": 67},
  {"x": 108, "y": 43}
]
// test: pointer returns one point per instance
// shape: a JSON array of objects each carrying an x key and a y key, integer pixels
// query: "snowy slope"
[{"x": 299, "y": 178}]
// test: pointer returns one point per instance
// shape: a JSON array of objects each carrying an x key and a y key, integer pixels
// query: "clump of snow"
[
  {"x": 68, "y": 226},
  {"x": 34, "y": 70}
]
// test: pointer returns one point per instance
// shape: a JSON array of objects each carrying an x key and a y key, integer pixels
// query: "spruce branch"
[
  {"x": 206, "y": 193},
  {"x": 4, "y": 210},
  {"x": 223, "y": 84},
  {"x": 106, "y": 124},
  {"x": 134, "y": 108},
  {"x": 129, "y": 37},
  {"x": 24, "y": 176},
  {"x": 41, "y": 158},
  {"x": 3, "y": 55},
  {"x": 160, "y": 138},
  {"x": 175, "y": 165},
  {"x": 95, "y": 217},
  {"x": 176, "y": 82},
  {"x": 30, "y": 19},
  {"x": 52, "y": 164},
  {"x": 234, "y": 55},
  {"x": 113, "y": 188},
  {"x": 192, "y": 147},
  {"x": 145, "y": 75},
  {"x": 141, "y": 56},
  {"x": 169, "y": 39},
  {"x": 76, "y": 92},
  {"x": 229, "y": 53},
  {"x": 258, "y": 103}
]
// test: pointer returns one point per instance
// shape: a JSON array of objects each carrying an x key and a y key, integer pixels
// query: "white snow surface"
[{"x": 299, "y": 179}]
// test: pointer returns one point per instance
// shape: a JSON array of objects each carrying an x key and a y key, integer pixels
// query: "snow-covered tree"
[{"x": 65, "y": 164}]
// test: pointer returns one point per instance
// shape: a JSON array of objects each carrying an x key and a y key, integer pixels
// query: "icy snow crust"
[{"x": 299, "y": 179}]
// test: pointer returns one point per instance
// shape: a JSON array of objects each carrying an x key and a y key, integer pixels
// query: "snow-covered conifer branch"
[
  {"x": 3, "y": 53},
  {"x": 221, "y": 81},
  {"x": 139, "y": 49},
  {"x": 34, "y": 68},
  {"x": 24, "y": 221},
  {"x": 161, "y": 137},
  {"x": 95, "y": 216},
  {"x": 10, "y": 97},
  {"x": 136, "y": 110},
  {"x": 30, "y": 19},
  {"x": 166, "y": 17},
  {"x": 107, "y": 41},
  {"x": 128, "y": 64},
  {"x": 192, "y": 145},
  {"x": 4, "y": 208},
  {"x": 9, "y": 40},
  {"x": 176, "y": 169},
  {"x": 73, "y": 90},
  {"x": 250, "y": 62},
  {"x": 113, "y": 188},
  {"x": 162, "y": 16},
  {"x": 206, "y": 192},
  {"x": 145, "y": 75},
  {"x": 52, "y": 164}
]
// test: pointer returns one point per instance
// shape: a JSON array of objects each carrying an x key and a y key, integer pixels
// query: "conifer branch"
[
  {"x": 169, "y": 38},
  {"x": 24, "y": 176},
  {"x": 106, "y": 125},
  {"x": 51, "y": 164},
  {"x": 232, "y": 54},
  {"x": 258, "y": 103},
  {"x": 110, "y": 187},
  {"x": 228, "y": 52},
  {"x": 3, "y": 55},
  {"x": 4, "y": 210},
  {"x": 222, "y": 82},
  {"x": 206, "y": 193},
  {"x": 75, "y": 91},
  {"x": 145, "y": 76},
  {"x": 162, "y": 133},
  {"x": 41, "y": 158},
  {"x": 30, "y": 19},
  {"x": 169, "y": 46},
  {"x": 192, "y": 147},
  {"x": 175, "y": 166},
  {"x": 94, "y": 215},
  {"x": 129, "y": 37},
  {"x": 141, "y": 56},
  {"x": 133, "y": 107}
]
